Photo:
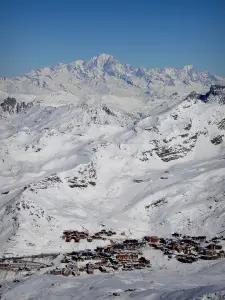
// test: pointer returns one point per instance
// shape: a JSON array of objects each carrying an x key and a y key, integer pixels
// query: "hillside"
[{"x": 97, "y": 142}]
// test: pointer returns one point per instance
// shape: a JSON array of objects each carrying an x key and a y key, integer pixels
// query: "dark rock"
[
  {"x": 157, "y": 203},
  {"x": 217, "y": 140},
  {"x": 171, "y": 153},
  {"x": 130, "y": 290},
  {"x": 217, "y": 91},
  {"x": 184, "y": 135},
  {"x": 137, "y": 180},
  {"x": 11, "y": 106},
  {"x": 221, "y": 124},
  {"x": 188, "y": 127},
  {"x": 116, "y": 294},
  {"x": 108, "y": 111},
  {"x": 5, "y": 193}
]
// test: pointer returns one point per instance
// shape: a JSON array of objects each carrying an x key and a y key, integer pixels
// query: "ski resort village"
[
  {"x": 112, "y": 183},
  {"x": 119, "y": 254}
]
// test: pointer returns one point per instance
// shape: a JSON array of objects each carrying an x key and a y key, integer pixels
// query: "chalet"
[
  {"x": 123, "y": 257},
  {"x": 97, "y": 237},
  {"x": 211, "y": 246},
  {"x": 162, "y": 241},
  {"x": 66, "y": 272},
  {"x": 221, "y": 254},
  {"x": 177, "y": 247},
  {"x": 82, "y": 236},
  {"x": 4, "y": 265},
  {"x": 130, "y": 241},
  {"x": 97, "y": 265},
  {"x": 119, "y": 246},
  {"x": 151, "y": 239},
  {"x": 209, "y": 252},
  {"x": 73, "y": 267},
  {"x": 100, "y": 249},
  {"x": 126, "y": 257},
  {"x": 218, "y": 247},
  {"x": 56, "y": 272},
  {"x": 133, "y": 246},
  {"x": 187, "y": 250},
  {"x": 104, "y": 261},
  {"x": 144, "y": 260},
  {"x": 107, "y": 255},
  {"x": 157, "y": 246},
  {"x": 199, "y": 249},
  {"x": 81, "y": 269}
]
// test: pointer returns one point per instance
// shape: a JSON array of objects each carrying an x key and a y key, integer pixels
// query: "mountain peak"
[
  {"x": 105, "y": 56},
  {"x": 188, "y": 67},
  {"x": 101, "y": 59}
]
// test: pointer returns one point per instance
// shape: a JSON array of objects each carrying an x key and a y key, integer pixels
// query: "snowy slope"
[
  {"x": 97, "y": 143},
  {"x": 152, "y": 167}
]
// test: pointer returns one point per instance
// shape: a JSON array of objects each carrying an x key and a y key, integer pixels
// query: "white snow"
[{"x": 146, "y": 159}]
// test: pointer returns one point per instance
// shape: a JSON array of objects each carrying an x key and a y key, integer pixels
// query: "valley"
[{"x": 96, "y": 145}]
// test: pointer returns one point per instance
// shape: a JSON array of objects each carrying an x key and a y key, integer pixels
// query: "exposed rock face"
[
  {"x": 85, "y": 176},
  {"x": 217, "y": 140},
  {"x": 216, "y": 93},
  {"x": 11, "y": 106},
  {"x": 221, "y": 124}
]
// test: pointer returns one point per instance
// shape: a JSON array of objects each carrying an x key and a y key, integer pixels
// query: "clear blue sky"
[{"x": 157, "y": 33}]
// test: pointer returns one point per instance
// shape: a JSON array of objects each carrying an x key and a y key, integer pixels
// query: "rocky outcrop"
[
  {"x": 215, "y": 94},
  {"x": 217, "y": 140},
  {"x": 11, "y": 106}
]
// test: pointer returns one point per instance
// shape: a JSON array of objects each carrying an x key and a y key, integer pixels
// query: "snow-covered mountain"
[
  {"x": 105, "y": 75},
  {"x": 97, "y": 142}
]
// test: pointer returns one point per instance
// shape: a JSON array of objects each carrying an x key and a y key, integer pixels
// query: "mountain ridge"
[{"x": 103, "y": 73}]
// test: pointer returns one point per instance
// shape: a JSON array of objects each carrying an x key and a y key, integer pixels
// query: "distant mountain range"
[{"x": 104, "y": 74}]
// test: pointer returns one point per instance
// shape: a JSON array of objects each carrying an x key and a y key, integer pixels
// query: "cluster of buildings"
[
  {"x": 21, "y": 265},
  {"x": 188, "y": 249},
  {"x": 124, "y": 256},
  {"x": 75, "y": 235},
  {"x": 120, "y": 254}
]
